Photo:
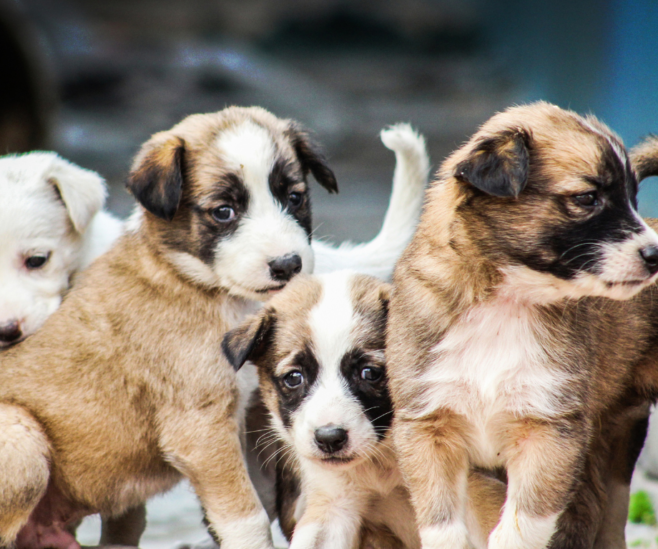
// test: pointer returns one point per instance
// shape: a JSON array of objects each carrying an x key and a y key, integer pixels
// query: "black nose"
[
  {"x": 285, "y": 267},
  {"x": 650, "y": 256},
  {"x": 10, "y": 332},
  {"x": 330, "y": 439}
]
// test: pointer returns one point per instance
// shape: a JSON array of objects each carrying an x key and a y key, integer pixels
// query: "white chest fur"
[{"x": 491, "y": 367}]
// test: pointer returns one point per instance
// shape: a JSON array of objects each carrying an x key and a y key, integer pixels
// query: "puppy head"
[
  {"x": 549, "y": 198},
  {"x": 47, "y": 204},
  {"x": 226, "y": 198},
  {"x": 319, "y": 348}
]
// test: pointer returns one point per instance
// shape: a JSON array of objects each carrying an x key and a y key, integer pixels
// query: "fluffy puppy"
[
  {"x": 51, "y": 227},
  {"x": 319, "y": 349},
  {"x": 124, "y": 390},
  {"x": 524, "y": 307}
]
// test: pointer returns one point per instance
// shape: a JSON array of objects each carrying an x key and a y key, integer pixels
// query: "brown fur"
[
  {"x": 458, "y": 262},
  {"x": 283, "y": 330},
  {"x": 124, "y": 390}
]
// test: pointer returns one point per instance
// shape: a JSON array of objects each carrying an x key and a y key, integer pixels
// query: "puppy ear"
[
  {"x": 498, "y": 165},
  {"x": 250, "y": 340},
  {"x": 82, "y": 191},
  {"x": 644, "y": 158},
  {"x": 311, "y": 158},
  {"x": 156, "y": 178}
]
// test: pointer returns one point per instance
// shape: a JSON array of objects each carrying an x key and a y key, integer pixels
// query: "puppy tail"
[
  {"x": 378, "y": 257},
  {"x": 644, "y": 157}
]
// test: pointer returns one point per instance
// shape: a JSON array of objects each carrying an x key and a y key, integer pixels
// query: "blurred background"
[{"x": 93, "y": 79}]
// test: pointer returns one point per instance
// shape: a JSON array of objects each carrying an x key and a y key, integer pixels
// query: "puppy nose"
[
  {"x": 10, "y": 332},
  {"x": 285, "y": 267},
  {"x": 330, "y": 439},
  {"x": 650, "y": 256}
]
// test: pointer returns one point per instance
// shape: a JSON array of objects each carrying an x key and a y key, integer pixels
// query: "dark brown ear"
[
  {"x": 156, "y": 178},
  {"x": 644, "y": 157},
  {"x": 250, "y": 340},
  {"x": 498, "y": 165},
  {"x": 311, "y": 158}
]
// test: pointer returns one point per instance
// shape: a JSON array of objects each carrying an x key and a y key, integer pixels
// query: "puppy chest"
[{"x": 490, "y": 365}]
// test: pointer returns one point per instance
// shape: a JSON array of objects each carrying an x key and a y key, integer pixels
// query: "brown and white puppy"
[
  {"x": 319, "y": 349},
  {"x": 523, "y": 308},
  {"x": 124, "y": 390}
]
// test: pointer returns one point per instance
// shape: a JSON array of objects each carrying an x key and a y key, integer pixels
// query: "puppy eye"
[
  {"x": 371, "y": 374},
  {"x": 293, "y": 379},
  {"x": 295, "y": 199},
  {"x": 223, "y": 214},
  {"x": 587, "y": 200},
  {"x": 36, "y": 261}
]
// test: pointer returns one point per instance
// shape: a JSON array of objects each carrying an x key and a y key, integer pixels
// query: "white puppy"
[{"x": 51, "y": 227}]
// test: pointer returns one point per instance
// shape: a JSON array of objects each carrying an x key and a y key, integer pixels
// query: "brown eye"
[
  {"x": 35, "y": 262},
  {"x": 293, "y": 379},
  {"x": 587, "y": 200},
  {"x": 223, "y": 214},
  {"x": 371, "y": 374},
  {"x": 295, "y": 199}
]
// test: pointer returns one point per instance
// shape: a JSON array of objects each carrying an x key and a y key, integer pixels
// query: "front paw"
[
  {"x": 447, "y": 536},
  {"x": 521, "y": 531},
  {"x": 252, "y": 533}
]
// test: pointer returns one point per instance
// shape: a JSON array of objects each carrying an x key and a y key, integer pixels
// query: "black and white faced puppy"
[{"x": 319, "y": 348}]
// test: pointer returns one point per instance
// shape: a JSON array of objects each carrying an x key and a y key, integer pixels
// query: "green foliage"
[{"x": 640, "y": 509}]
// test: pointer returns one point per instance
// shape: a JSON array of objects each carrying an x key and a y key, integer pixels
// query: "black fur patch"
[
  {"x": 311, "y": 158},
  {"x": 281, "y": 180},
  {"x": 498, "y": 165},
  {"x": 373, "y": 395},
  {"x": 291, "y": 399}
]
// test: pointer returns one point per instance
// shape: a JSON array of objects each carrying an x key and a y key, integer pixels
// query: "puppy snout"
[
  {"x": 285, "y": 267},
  {"x": 10, "y": 331},
  {"x": 650, "y": 256},
  {"x": 331, "y": 439}
]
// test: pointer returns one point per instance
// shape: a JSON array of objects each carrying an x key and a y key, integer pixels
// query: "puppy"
[
  {"x": 319, "y": 349},
  {"x": 124, "y": 391},
  {"x": 524, "y": 307},
  {"x": 51, "y": 227}
]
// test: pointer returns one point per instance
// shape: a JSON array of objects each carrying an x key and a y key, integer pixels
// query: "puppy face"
[
  {"x": 47, "y": 204},
  {"x": 550, "y": 198},
  {"x": 319, "y": 347},
  {"x": 227, "y": 199}
]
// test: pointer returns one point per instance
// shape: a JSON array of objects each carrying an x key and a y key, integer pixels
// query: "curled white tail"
[{"x": 378, "y": 257}]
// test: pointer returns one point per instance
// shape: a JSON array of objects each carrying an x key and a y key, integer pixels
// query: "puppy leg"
[
  {"x": 24, "y": 469},
  {"x": 125, "y": 529},
  {"x": 205, "y": 447},
  {"x": 434, "y": 461},
  {"x": 330, "y": 520},
  {"x": 543, "y": 462},
  {"x": 486, "y": 496}
]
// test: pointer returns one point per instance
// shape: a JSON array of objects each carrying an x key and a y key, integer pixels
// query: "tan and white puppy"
[
  {"x": 51, "y": 227},
  {"x": 524, "y": 307},
  {"x": 124, "y": 390},
  {"x": 319, "y": 349}
]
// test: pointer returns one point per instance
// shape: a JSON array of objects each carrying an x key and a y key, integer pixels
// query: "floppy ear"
[
  {"x": 156, "y": 178},
  {"x": 311, "y": 158},
  {"x": 644, "y": 158},
  {"x": 498, "y": 165},
  {"x": 82, "y": 191},
  {"x": 250, "y": 340}
]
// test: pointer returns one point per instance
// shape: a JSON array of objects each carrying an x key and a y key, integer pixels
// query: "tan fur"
[
  {"x": 125, "y": 389},
  {"x": 372, "y": 491},
  {"x": 588, "y": 347}
]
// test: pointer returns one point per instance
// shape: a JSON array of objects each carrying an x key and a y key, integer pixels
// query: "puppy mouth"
[
  {"x": 333, "y": 460},
  {"x": 271, "y": 290}
]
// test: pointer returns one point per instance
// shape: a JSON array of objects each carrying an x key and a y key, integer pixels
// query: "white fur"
[
  {"x": 448, "y": 536},
  {"x": 35, "y": 220},
  {"x": 378, "y": 257},
  {"x": 267, "y": 231},
  {"x": 253, "y": 532},
  {"x": 491, "y": 364},
  {"x": 517, "y": 530}
]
